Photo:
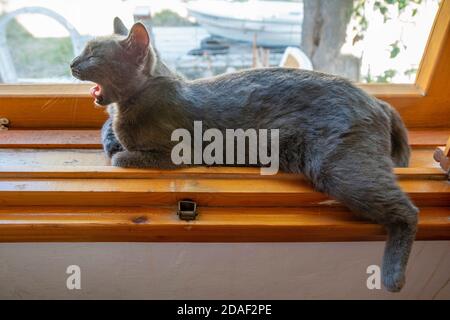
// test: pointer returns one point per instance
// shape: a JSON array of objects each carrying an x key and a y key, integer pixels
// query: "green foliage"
[
  {"x": 38, "y": 57},
  {"x": 16, "y": 30},
  {"x": 384, "y": 8},
  {"x": 386, "y": 77},
  {"x": 169, "y": 18},
  {"x": 395, "y": 49},
  {"x": 410, "y": 72}
]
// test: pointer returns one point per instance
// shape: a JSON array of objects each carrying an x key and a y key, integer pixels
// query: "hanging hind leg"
[{"x": 367, "y": 186}]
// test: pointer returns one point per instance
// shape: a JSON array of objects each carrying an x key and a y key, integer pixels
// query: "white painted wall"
[{"x": 208, "y": 271}]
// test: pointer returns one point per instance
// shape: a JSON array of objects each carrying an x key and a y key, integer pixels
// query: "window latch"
[
  {"x": 4, "y": 124},
  {"x": 187, "y": 210}
]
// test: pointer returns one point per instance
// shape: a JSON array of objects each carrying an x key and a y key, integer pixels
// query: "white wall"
[{"x": 234, "y": 271}]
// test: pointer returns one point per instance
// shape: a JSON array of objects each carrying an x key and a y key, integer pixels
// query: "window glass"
[{"x": 364, "y": 40}]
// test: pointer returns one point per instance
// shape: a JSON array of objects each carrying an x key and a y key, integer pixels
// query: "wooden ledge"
[
  {"x": 36, "y": 158},
  {"x": 90, "y": 139},
  {"x": 51, "y": 139},
  {"x": 428, "y": 188},
  {"x": 57, "y": 185},
  {"x": 110, "y": 172},
  {"x": 69, "y": 224}
]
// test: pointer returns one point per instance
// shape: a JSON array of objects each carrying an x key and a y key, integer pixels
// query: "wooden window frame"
[{"x": 97, "y": 202}]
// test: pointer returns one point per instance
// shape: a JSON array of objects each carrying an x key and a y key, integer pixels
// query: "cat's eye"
[{"x": 93, "y": 57}]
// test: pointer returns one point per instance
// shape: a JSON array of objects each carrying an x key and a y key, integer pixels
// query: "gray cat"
[{"x": 343, "y": 140}]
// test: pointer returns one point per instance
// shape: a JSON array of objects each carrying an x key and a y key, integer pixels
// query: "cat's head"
[{"x": 117, "y": 64}]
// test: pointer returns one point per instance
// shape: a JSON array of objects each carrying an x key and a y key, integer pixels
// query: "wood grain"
[
  {"x": 20, "y": 224},
  {"x": 60, "y": 195},
  {"x": 207, "y": 192},
  {"x": 52, "y": 157},
  {"x": 447, "y": 148},
  {"x": 74, "y": 195},
  {"x": 428, "y": 137},
  {"x": 420, "y": 158},
  {"x": 51, "y": 139},
  {"x": 109, "y": 172},
  {"x": 434, "y": 64},
  {"x": 90, "y": 139}
]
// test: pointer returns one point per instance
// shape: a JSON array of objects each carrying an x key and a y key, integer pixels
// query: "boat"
[{"x": 268, "y": 23}]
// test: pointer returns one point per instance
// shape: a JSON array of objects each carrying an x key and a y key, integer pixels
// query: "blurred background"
[{"x": 373, "y": 41}]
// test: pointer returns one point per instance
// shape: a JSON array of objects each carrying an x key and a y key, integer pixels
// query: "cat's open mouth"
[{"x": 96, "y": 93}]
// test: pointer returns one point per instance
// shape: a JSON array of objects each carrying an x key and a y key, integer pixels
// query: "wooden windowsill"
[
  {"x": 90, "y": 139},
  {"x": 57, "y": 185},
  {"x": 214, "y": 224}
]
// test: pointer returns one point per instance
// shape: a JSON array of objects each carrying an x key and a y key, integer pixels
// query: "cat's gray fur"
[{"x": 345, "y": 141}]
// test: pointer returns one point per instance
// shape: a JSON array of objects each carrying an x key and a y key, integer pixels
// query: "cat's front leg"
[
  {"x": 110, "y": 143},
  {"x": 143, "y": 159}
]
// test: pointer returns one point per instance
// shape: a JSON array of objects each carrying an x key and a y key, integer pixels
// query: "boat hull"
[{"x": 267, "y": 30}]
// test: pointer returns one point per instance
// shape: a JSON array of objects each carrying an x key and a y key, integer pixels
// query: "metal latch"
[
  {"x": 187, "y": 210},
  {"x": 4, "y": 124}
]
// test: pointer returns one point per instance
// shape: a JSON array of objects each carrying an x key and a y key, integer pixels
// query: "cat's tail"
[{"x": 400, "y": 150}]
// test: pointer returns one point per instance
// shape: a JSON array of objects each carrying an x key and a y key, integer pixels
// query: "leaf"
[
  {"x": 395, "y": 50},
  {"x": 410, "y": 72}
]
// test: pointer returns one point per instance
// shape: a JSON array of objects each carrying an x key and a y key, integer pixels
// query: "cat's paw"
[
  {"x": 137, "y": 159},
  {"x": 123, "y": 159},
  {"x": 112, "y": 148},
  {"x": 394, "y": 281}
]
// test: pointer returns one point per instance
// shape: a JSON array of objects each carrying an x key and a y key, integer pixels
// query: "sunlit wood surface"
[{"x": 58, "y": 186}]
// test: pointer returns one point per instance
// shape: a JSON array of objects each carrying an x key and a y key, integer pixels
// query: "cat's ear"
[
  {"x": 119, "y": 27},
  {"x": 138, "y": 41},
  {"x": 138, "y": 36}
]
